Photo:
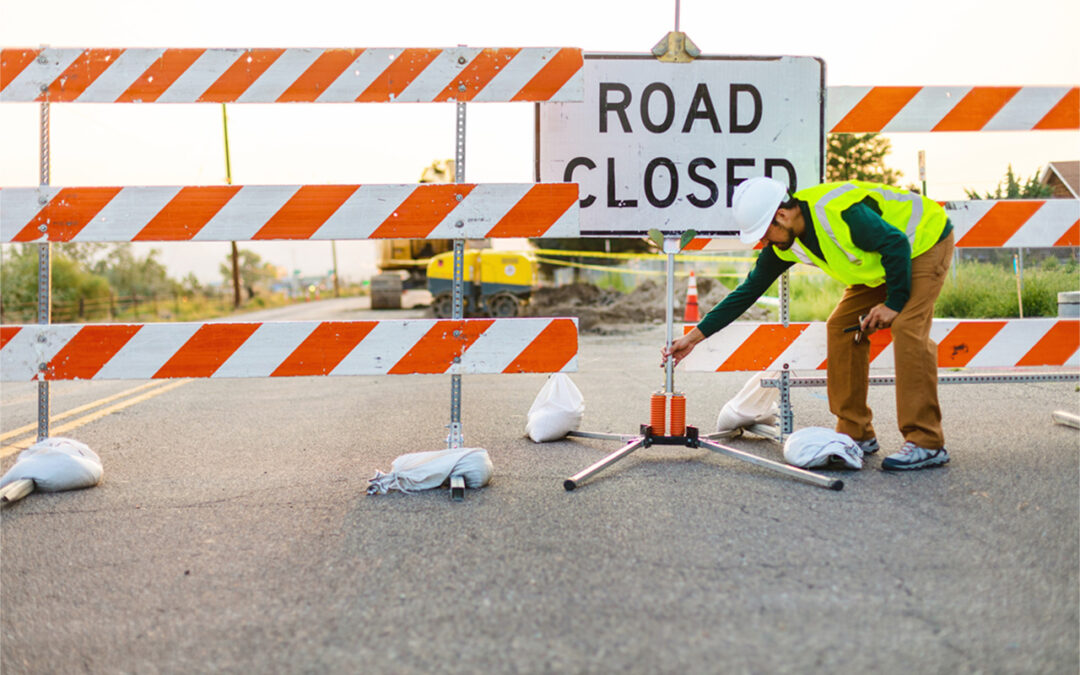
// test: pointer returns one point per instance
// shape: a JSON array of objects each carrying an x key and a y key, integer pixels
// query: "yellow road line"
[
  {"x": 17, "y": 446},
  {"x": 75, "y": 411}
]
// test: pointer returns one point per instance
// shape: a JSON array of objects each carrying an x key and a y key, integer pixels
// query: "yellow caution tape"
[
  {"x": 623, "y": 270},
  {"x": 682, "y": 257}
]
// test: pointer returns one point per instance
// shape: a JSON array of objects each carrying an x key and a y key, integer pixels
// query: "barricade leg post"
[
  {"x": 456, "y": 437},
  {"x": 787, "y": 414},
  {"x": 44, "y": 310}
]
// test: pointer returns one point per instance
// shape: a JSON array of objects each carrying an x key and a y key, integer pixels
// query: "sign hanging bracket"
[{"x": 676, "y": 47}]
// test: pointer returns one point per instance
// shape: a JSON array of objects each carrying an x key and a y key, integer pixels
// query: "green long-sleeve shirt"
[{"x": 868, "y": 231}]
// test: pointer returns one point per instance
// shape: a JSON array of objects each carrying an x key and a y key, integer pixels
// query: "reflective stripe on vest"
[{"x": 823, "y": 220}]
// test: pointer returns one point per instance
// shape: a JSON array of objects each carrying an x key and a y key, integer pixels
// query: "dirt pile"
[{"x": 597, "y": 309}]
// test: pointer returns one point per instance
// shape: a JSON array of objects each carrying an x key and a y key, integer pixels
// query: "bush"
[
  {"x": 813, "y": 296},
  {"x": 984, "y": 291},
  {"x": 976, "y": 291}
]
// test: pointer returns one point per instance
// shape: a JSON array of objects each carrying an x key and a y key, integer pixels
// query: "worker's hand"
[
  {"x": 878, "y": 317},
  {"x": 681, "y": 348}
]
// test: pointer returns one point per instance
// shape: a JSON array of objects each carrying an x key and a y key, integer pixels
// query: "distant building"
[{"x": 1063, "y": 179}]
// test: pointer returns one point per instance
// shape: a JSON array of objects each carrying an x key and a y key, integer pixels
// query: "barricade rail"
[
  {"x": 982, "y": 351},
  {"x": 902, "y": 109},
  {"x": 287, "y": 348},
  {"x": 288, "y": 212},
  {"x": 962, "y": 343},
  {"x": 991, "y": 223},
  {"x": 373, "y": 75}
]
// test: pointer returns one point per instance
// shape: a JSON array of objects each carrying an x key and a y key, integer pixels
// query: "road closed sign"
[{"x": 663, "y": 145}]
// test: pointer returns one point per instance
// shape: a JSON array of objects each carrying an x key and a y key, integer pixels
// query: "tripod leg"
[
  {"x": 572, "y": 482},
  {"x": 794, "y": 472}
]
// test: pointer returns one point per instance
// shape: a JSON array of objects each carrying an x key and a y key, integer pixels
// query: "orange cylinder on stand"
[
  {"x": 658, "y": 413},
  {"x": 678, "y": 415}
]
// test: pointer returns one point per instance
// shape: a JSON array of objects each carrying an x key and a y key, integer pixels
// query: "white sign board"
[{"x": 663, "y": 145}]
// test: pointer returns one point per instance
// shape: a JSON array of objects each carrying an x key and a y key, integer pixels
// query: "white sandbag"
[
  {"x": 56, "y": 464},
  {"x": 557, "y": 410},
  {"x": 817, "y": 446},
  {"x": 426, "y": 470},
  {"x": 754, "y": 404}
]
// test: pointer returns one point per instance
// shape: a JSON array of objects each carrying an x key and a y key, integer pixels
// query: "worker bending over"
[{"x": 892, "y": 249}]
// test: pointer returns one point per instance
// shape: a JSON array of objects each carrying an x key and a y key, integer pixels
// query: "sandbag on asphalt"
[
  {"x": 557, "y": 410},
  {"x": 425, "y": 470},
  {"x": 56, "y": 464},
  {"x": 820, "y": 447},
  {"x": 754, "y": 404}
]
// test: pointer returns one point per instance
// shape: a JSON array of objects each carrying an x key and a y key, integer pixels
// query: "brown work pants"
[{"x": 917, "y": 411}]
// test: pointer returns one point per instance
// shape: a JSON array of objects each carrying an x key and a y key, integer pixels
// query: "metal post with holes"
[
  {"x": 787, "y": 415},
  {"x": 455, "y": 439},
  {"x": 44, "y": 310}
]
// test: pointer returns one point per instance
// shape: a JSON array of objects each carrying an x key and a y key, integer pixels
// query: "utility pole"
[{"x": 228, "y": 181}]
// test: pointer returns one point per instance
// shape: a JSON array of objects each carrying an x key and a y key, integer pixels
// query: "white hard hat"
[{"x": 754, "y": 204}]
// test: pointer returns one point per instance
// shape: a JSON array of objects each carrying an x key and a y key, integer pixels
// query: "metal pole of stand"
[
  {"x": 787, "y": 470},
  {"x": 669, "y": 369},
  {"x": 572, "y": 482},
  {"x": 44, "y": 313}
]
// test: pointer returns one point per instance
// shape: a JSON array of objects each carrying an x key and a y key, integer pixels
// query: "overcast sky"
[{"x": 920, "y": 42}]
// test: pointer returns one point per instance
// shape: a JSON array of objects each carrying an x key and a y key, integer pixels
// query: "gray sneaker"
[
  {"x": 913, "y": 457},
  {"x": 869, "y": 446}
]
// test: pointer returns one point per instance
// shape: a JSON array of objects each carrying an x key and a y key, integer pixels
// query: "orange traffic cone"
[{"x": 691, "y": 315}]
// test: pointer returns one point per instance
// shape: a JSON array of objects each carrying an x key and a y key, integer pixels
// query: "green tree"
[
  {"x": 253, "y": 271},
  {"x": 130, "y": 275},
  {"x": 1012, "y": 188},
  {"x": 71, "y": 282},
  {"x": 82, "y": 252},
  {"x": 859, "y": 157}
]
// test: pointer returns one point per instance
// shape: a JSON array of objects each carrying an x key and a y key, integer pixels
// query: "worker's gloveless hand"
[
  {"x": 877, "y": 318},
  {"x": 681, "y": 347}
]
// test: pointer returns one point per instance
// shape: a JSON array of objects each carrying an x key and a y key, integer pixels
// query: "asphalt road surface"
[{"x": 232, "y": 533}]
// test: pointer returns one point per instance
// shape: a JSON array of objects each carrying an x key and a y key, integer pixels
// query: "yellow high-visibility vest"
[{"x": 921, "y": 219}]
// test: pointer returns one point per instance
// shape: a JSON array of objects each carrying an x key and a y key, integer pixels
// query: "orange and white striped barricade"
[
  {"x": 867, "y": 109},
  {"x": 288, "y": 348},
  {"x": 986, "y": 223},
  {"x": 980, "y": 345},
  {"x": 456, "y": 211},
  {"x": 922, "y": 109},
  {"x": 1015, "y": 223},
  {"x": 295, "y": 212},
  {"x": 375, "y": 75}
]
